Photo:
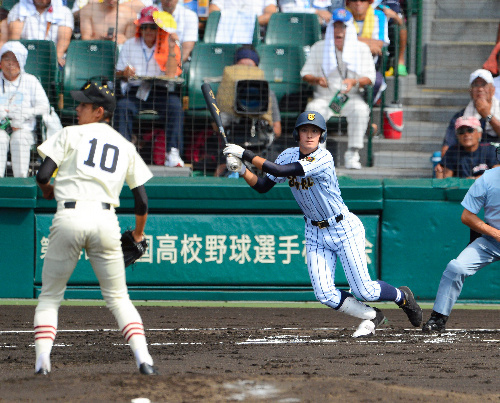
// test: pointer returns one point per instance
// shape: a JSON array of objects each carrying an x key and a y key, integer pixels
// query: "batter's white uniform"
[
  {"x": 318, "y": 195},
  {"x": 94, "y": 160}
]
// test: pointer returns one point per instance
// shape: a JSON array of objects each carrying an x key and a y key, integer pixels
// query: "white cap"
[
  {"x": 482, "y": 73},
  {"x": 19, "y": 51}
]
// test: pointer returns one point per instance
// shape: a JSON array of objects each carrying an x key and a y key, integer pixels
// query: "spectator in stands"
[
  {"x": 394, "y": 13},
  {"x": 45, "y": 20},
  {"x": 187, "y": 25},
  {"x": 319, "y": 7},
  {"x": 340, "y": 64},
  {"x": 372, "y": 29},
  {"x": 153, "y": 52},
  {"x": 237, "y": 20},
  {"x": 493, "y": 65},
  {"x": 4, "y": 27},
  {"x": 483, "y": 105},
  {"x": 238, "y": 127},
  {"x": 246, "y": 62},
  {"x": 21, "y": 99},
  {"x": 469, "y": 158},
  {"x": 98, "y": 21},
  {"x": 135, "y": 5}
]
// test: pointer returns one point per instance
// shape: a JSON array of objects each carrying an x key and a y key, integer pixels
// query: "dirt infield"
[{"x": 253, "y": 354}]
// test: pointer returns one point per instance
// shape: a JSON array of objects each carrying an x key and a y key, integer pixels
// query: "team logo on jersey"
[
  {"x": 311, "y": 116},
  {"x": 309, "y": 159}
]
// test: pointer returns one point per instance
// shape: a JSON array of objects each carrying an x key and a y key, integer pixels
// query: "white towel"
[
  {"x": 235, "y": 27},
  {"x": 350, "y": 53},
  {"x": 470, "y": 110},
  {"x": 19, "y": 51},
  {"x": 55, "y": 13}
]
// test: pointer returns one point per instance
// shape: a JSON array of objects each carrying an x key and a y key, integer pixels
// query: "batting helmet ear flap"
[{"x": 310, "y": 118}]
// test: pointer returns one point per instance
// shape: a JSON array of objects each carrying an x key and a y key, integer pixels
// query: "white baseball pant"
[
  {"x": 87, "y": 226},
  {"x": 345, "y": 239},
  {"x": 20, "y": 142}
]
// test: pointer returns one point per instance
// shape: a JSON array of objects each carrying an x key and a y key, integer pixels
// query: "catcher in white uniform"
[
  {"x": 93, "y": 162},
  {"x": 331, "y": 229}
]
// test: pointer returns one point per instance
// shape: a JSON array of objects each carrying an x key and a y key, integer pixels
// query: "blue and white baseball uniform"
[
  {"x": 319, "y": 197},
  {"x": 331, "y": 230},
  {"x": 484, "y": 193}
]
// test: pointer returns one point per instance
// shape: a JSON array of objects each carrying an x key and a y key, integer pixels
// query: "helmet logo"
[{"x": 311, "y": 116}]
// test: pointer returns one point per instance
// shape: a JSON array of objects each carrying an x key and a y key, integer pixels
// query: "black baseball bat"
[
  {"x": 215, "y": 112},
  {"x": 213, "y": 108}
]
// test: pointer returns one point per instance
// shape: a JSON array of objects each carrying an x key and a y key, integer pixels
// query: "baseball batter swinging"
[
  {"x": 94, "y": 161},
  {"x": 331, "y": 230}
]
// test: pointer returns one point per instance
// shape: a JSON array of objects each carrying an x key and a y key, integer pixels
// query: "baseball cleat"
[
  {"x": 146, "y": 369},
  {"x": 42, "y": 371},
  {"x": 368, "y": 326},
  {"x": 436, "y": 323},
  {"x": 410, "y": 307}
]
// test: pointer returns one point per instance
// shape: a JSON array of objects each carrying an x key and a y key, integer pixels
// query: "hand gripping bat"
[{"x": 215, "y": 112}]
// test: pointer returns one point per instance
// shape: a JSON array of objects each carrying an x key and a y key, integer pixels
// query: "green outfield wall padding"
[
  {"x": 216, "y": 238},
  {"x": 221, "y": 194},
  {"x": 17, "y": 255},
  {"x": 419, "y": 238},
  {"x": 216, "y": 250}
]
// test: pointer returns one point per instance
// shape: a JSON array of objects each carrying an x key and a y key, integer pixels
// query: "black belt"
[
  {"x": 325, "y": 223},
  {"x": 72, "y": 204}
]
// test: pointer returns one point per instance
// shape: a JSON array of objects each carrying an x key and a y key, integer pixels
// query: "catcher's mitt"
[{"x": 132, "y": 250}]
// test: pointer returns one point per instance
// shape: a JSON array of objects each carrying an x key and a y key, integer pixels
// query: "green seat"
[
  {"x": 207, "y": 61},
  {"x": 86, "y": 60},
  {"x": 42, "y": 63},
  {"x": 70, "y": 3},
  {"x": 213, "y": 23},
  {"x": 8, "y": 4},
  {"x": 282, "y": 65},
  {"x": 293, "y": 29}
]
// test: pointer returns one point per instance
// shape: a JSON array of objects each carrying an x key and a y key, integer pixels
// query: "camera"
[{"x": 5, "y": 125}]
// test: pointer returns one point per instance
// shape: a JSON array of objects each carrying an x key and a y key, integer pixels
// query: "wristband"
[{"x": 248, "y": 155}]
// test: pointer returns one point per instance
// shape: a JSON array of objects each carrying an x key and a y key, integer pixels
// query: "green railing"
[{"x": 415, "y": 23}]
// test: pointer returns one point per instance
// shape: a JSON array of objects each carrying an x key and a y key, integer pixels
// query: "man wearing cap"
[
  {"x": 483, "y": 194},
  {"x": 483, "y": 106},
  {"x": 93, "y": 162},
  {"x": 469, "y": 158},
  {"x": 245, "y": 67},
  {"x": 340, "y": 64},
  {"x": 22, "y": 98},
  {"x": 152, "y": 53}
]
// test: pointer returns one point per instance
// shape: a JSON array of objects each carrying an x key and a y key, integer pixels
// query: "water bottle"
[{"x": 435, "y": 159}]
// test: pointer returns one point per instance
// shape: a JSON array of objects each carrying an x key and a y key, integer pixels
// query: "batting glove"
[
  {"x": 234, "y": 149},
  {"x": 234, "y": 164}
]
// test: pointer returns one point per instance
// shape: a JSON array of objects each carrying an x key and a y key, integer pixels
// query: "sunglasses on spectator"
[
  {"x": 462, "y": 130},
  {"x": 151, "y": 27}
]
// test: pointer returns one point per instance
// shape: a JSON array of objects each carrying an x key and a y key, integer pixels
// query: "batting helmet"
[{"x": 310, "y": 118}]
